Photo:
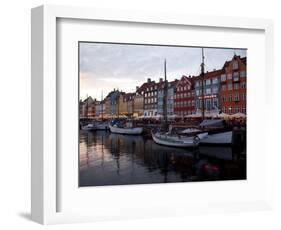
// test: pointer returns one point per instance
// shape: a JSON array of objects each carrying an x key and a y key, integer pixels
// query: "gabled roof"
[
  {"x": 146, "y": 85},
  {"x": 88, "y": 100},
  {"x": 128, "y": 96},
  {"x": 243, "y": 60},
  {"x": 185, "y": 81}
]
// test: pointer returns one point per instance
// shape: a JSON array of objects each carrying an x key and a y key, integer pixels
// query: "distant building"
[
  {"x": 211, "y": 91},
  {"x": 184, "y": 102},
  {"x": 81, "y": 109},
  {"x": 114, "y": 105},
  {"x": 111, "y": 103},
  {"x": 99, "y": 108},
  {"x": 171, "y": 88},
  {"x": 150, "y": 98},
  {"x": 129, "y": 100},
  {"x": 106, "y": 107},
  {"x": 160, "y": 96},
  {"x": 122, "y": 105},
  {"x": 233, "y": 85},
  {"x": 171, "y": 92},
  {"x": 138, "y": 103},
  {"x": 87, "y": 108}
]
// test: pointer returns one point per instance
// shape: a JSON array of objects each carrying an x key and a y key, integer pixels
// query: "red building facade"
[
  {"x": 233, "y": 86},
  {"x": 184, "y": 101}
]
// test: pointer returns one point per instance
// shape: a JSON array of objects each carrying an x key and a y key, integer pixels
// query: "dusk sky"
[{"x": 104, "y": 67}]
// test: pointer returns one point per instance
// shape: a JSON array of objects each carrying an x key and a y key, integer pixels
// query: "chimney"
[
  {"x": 160, "y": 79},
  {"x": 148, "y": 80}
]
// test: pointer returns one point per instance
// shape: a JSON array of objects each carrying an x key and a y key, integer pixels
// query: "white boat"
[
  {"x": 224, "y": 138},
  {"x": 95, "y": 126},
  {"x": 125, "y": 130},
  {"x": 88, "y": 127},
  {"x": 178, "y": 141}
]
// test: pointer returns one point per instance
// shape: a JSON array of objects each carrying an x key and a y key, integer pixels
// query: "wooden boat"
[
  {"x": 125, "y": 130},
  {"x": 177, "y": 141}
]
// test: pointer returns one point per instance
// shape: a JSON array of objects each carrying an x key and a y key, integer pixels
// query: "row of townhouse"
[{"x": 224, "y": 90}]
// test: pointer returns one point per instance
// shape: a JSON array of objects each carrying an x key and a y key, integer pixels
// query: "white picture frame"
[{"x": 45, "y": 182}]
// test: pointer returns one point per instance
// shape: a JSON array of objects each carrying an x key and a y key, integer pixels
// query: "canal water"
[{"x": 115, "y": 159}]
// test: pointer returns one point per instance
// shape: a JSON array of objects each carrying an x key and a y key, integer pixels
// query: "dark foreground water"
[{"x": 114, "y": 159}]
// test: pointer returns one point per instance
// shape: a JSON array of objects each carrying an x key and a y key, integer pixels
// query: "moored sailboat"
[
  {"x": 126, "y": 128},
  {"x": 191, "y": 139},
  {"x": 177, "y": 141}
]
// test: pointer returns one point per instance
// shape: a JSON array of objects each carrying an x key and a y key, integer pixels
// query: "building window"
[
  {"x": 215, "y": 103},
  {"x": 197, "y": 83},
  {"x": 229, "y": 76},
  {"x": 223, "y": 88},
  {"x": 208, "y": 82},
  {"x": 236, "y": 97},
  {"x": 230, "y": 98},
  {"x": 229, "y": 86},
  {"x": 215, "y": 80},
  {"x": 236, "y": 76},
  {"x": 208, "y": 91},
  {"x": 215, "y": 89},
  {"x": 243, "y": 74},
  {"x": 243, "y": 85},
  {"x": 223, "y": 77},
  {"x": 236, "y": 86}
]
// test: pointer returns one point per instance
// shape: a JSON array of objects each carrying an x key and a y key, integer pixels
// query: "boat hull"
[
  {"x": 129, "y": 131},
  {"x": 97, "y": 126},
  {"x": 173, "y": 142},
  {"x": 224, "y": 138},
  {"x": 101, "y": 127}
]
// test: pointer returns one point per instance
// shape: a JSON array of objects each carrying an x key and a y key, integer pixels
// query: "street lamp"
[{"x": 229, "y": 110}]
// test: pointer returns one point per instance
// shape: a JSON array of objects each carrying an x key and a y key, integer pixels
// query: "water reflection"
[{"x": 114, "y": 159}]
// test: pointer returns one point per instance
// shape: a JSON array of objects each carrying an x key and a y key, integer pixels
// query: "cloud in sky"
[{"x": 104, "y": 66}]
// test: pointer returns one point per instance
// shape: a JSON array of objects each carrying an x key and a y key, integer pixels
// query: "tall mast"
[
  {"x": 202, "y": 85},
  {"x": 87, "y": 107},
  {"x": 101, "y": 105},
  {"x": 165, "y": 96}
]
